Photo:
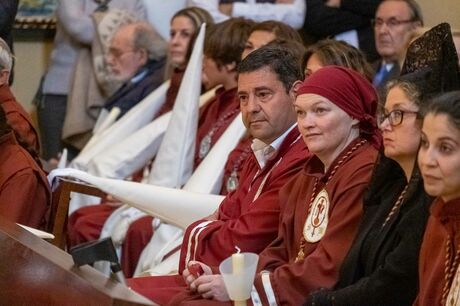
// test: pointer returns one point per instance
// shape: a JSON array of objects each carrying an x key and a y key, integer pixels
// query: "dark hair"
[
  {"x": 279, "y": 29},
  {"x": 278, "y": 59},
  {"x": 225, "y": 41},
  {"x": 197, "y": 16},
  {"x": 339, "y": 53},
  {"x": 446, "y": 104},
  {"x": 5, "y": 128},
  {"x": 297, "y": 49}
]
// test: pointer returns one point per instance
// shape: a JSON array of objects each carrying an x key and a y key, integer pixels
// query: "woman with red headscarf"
[{"x": 321, "y": 206}]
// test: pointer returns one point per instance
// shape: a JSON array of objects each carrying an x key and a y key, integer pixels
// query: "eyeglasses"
[
  {"x": 116, "y": 53},
  {"x": 395, "y": 117},
  {"x": 391, "y": 23}
]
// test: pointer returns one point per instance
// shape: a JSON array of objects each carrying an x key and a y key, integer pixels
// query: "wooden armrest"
[{"x": 57, "y": 224}]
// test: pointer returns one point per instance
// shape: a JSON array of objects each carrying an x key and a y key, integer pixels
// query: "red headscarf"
[{"x": 350, "y": 91}]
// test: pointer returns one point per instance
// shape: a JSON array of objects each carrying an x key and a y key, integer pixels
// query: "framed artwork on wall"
[{"x": 35, "y": 19}]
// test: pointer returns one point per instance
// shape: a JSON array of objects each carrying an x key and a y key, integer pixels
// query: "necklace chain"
[
  {"x": 450, "y": 267},
  {"x": 303, "y": 242},
  {"x": 396, "y": 206}
]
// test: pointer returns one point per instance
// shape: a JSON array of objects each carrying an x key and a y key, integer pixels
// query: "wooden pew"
[{"x": 35, "y": 272}]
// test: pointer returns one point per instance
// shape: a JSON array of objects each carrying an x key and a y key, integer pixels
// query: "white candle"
[{"x": 237, "y": 262}]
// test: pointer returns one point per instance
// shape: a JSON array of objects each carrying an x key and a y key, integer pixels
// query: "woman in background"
[{"x": 439, "y": 162}]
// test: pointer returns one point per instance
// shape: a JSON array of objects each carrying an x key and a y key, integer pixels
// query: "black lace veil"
[{"x": 432, "y": 62}]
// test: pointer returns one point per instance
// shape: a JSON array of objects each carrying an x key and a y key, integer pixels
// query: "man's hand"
[
  {"x": 193, "y": 272},
  {"x": 211, "y": 287},
  {"x": 226, "y": 9}
]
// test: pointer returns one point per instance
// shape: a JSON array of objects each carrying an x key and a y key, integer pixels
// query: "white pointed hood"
[
  {"x": 137, "y": 117},
  {"x": 173, "y": 164},
  {"x": 154, "y": 200}
]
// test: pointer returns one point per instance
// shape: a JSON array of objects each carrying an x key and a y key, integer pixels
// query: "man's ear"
[
  {"x": 295, "y": 87},
  {"x": 4, "y": 77},
  {"x": 230, "y": 67},
  {"x": 143, "y": 56}
]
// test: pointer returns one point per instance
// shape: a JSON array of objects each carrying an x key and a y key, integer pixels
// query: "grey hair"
[
  {"x": 146, "y": 37},
  {"x": 6, "y": 56}
]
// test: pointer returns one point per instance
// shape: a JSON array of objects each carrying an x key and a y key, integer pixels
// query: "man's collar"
[{"x": 264, "y": 152}]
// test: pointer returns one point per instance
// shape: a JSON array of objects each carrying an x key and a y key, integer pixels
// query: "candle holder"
[{"x": 238, "y": 272}]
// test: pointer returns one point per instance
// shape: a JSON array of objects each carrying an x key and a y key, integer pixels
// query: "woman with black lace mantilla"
[{"x": 381, "y": 267}]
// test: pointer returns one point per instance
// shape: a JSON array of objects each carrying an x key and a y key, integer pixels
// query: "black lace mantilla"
[{"x": 432, "y": 62}]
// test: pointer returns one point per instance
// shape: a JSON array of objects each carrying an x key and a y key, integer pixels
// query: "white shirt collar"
[
  {"x": 264, "y": 152},
  {"x": 388, "y": 66}
]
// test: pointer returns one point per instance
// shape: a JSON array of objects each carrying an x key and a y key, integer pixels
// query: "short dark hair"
[
  {"x": 278, "y": 59},
  {"x": 225, "y": 41},
  {"x": 446, "y": 104}
]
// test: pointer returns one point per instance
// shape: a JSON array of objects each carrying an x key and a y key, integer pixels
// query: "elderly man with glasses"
[
  {"x": 396, "y": 23},
  {"x": 137, "y": 56}
]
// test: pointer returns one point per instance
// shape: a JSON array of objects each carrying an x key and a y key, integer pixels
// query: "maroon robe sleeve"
[
  {"x": 23, "y": 199},
  {"x": 288, "y": 282}
]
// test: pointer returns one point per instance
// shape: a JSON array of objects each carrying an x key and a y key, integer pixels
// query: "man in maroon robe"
[
  {"x": 219, "y": 68},
  {"x": 18, "y": 119},
  {"x": 248, "y": 217},
  {"x": 24, "y": 191}
]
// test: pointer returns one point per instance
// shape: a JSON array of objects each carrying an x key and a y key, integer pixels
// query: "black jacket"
[
  {"x": 322, "y": 21},
  {"x": 132, "y": 93},
  {"x": 381, "y": 267}
]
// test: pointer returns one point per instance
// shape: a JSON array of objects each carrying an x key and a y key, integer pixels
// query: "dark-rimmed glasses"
[
  {"x": 391, "y": 23},
  {"x": 395, "y": 117}
]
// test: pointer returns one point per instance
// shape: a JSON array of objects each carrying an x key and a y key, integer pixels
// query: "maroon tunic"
[
  {"x": 443, "y": 227},
  {"x": 244, "y": 220},
  {"x": 24, "y": 191},
  {"x": 18, "y": 119}
]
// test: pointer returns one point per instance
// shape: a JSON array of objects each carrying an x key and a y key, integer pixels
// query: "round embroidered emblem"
[{"x": 317, "y": 220}]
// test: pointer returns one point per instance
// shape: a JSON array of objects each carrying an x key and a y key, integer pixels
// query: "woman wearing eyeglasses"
[{"x": 381, "y": 267}]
